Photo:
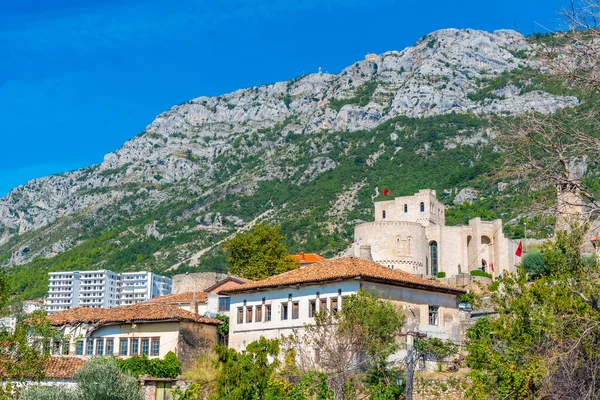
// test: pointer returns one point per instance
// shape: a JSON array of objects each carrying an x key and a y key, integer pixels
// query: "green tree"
[
  {"x": 101, "y": 379},
  {"x": 544, "y": 340},
  {"x": 533, "y": 263},
  {"x": 258, "y": 253},
  {"x": 359, "y": 337},
  {"x": 250, "y": 375}
]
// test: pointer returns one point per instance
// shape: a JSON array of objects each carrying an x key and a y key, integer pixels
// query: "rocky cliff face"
[{"x": 214, "y": 148}]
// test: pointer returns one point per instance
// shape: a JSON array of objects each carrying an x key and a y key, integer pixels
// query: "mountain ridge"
[{"x": 207, "y": 167}]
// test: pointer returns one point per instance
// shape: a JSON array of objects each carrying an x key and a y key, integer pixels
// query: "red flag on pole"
[
  {"x": 519, "y": 251},
  {"x": 386, "y": 192},
  {"x": 492, "y": 265}
]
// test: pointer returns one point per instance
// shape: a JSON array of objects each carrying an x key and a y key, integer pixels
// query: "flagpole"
[{"x": 525, "y": 237}]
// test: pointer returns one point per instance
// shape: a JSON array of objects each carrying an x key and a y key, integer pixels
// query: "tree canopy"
[{"x": 258, "y": 253}]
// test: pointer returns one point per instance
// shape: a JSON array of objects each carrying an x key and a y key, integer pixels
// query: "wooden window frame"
[
  {"x": 284, "y": 311},
  {"x": 312, "y": 308},
  {"x": 268, "y": 313},
  {"x": 152, "y": 342},
  {"x": 112, "y": 347},
  {"x": 147, "y": 340},
  {"x": 121, "y": 341},
  {"x": 295, "y": 309}
]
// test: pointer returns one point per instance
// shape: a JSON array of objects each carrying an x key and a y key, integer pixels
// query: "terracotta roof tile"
[
  {"x": 186, "y": 297},
  {"x": 57, "y": 368},
  {"x": 134, "y": 313},
  {"x": 304, "y": 258},
  {"x": 229, "y": 282},
  {"x": 346, "y": 268}
]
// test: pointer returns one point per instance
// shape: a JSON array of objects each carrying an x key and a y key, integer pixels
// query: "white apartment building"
[
  {"x": 102, "y": 289},
  {"x": 136, "y": 287}
]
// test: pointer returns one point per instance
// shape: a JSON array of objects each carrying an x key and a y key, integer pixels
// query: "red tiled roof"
[
  {"x": 63, "y": 367},
  {"x": 304, "y": 258},
  {"x": 347, "y": 268},
  {"x": 143, "y": 312},
  {"x": 186, "y": 297},
  {"x": 227, "y": 283},
  {"x": 57, "y": 368}
]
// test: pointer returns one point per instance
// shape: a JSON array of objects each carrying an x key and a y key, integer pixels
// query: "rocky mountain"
[{"x": 310, "y": 154}]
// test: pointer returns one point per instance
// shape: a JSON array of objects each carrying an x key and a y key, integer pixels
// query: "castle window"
[
  {"x": 383, "y": 214},
  {"x": 422, "y": 207},
  {"x": 406, "y": 208},
  {"x": 433, "y": 253}
]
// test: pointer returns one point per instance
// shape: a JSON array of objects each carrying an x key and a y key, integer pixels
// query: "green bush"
[
  {"x": 101, "y": 379},
  {"x": 39, "y": 392},
  {"x": 477, "y": 272},
  {"x": 169, "y": 367},
  {"x": 441, "y": 274},
  {"x": 533, "y": 263}
]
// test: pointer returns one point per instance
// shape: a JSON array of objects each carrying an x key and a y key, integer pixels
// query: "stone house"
[
  {"x": 410, "y": 234},
  {"x": 152, "y": 329},
  {"x": 276, "y": 306}
]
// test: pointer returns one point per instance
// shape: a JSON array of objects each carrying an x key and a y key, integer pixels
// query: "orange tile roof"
[
  {"x": 347, "y": 268},
  {"x": 304, "y": 258},
  {"x": 143, "y": 312},
  {"x": 56, "y": 368},
  {"x": 186, "y": 297},
  {"x": 596, "y": 239},
  {"x": 228, "y": 283}
]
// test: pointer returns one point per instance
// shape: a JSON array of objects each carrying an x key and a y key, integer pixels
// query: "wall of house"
[
  {"x": 168, "y": 332},
  {"x": 413, "y": 303},
  {"x": 194, "y": 339},
  {"x": 241, "y": 334}
]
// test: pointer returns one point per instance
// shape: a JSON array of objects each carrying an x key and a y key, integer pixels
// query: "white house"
[
  {"x": 209, "y": 302},
  {"x": 56, "y": 371},
  {"x": 152, "y": 329},
  {"x": 275, "y": 306}
]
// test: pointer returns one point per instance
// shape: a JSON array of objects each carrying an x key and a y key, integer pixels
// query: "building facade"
[
  {"x": 276, "y": 306},
  {"x": 102, "y": 289},
  {"x": 410, "y": 234},
  {"x": 137, "y": 287},
  {"x": 150, "y": 329}
]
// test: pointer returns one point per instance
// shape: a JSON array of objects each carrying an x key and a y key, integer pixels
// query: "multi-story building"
[
  {"x": 136, "y": 287},
  {"x": 102, "y": 289}
]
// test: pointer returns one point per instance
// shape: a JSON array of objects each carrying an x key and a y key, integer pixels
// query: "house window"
[
  {"x": 422, "y": 207},
  {"x": 333, "y": 305},
  {"x": 135, "y": 346},
  {"x": 406, "y": 208},
  {"x": 434, "y": 315},
  {"x": 123, "y": 344},
  {"x": 249, "y": 314},
  {"x": 323, "y": 305},
  {"x": 65, "y": 349},
  {"x": 284, "y": 311},
  {"x": 90, "y": 347},
  {"x": 240, "y": 318},
  {"x": 295, "y": 310},
  {"x": 259, "y": 313},
  {"x": 312, "y": 308},
  {"x": 79, "y": 348},
  {"x": 383, "y": 214},
  {"x": 224, "y": 303},
  {"x": 155, "y": 346},
  {"x": 99, "y": 347},
  {"x": 110, "y": 345},
  {"x": 145, "y": 347}
]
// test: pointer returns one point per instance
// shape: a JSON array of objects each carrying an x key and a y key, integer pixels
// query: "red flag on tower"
[
  {"x": 386, "y": 192},
  {"x": 519, "y": 251},
  {"x": 492, "y": 265}
]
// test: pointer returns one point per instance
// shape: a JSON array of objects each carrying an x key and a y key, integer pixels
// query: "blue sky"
[{"x": 80, "y": 77}]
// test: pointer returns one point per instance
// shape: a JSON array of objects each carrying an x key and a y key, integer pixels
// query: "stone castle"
[{"x": 410, "y": 233}]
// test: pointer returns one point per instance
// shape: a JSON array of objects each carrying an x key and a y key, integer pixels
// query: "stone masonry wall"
[{"x": 195, "y": 282}]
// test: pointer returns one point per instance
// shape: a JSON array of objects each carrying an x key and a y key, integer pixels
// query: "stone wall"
[{"x": 195, "y": 282}]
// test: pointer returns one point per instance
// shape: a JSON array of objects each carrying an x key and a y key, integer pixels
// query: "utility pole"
[{"x": 410, "y": 361}]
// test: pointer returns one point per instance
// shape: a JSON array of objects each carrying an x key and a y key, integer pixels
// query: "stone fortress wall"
[{"x": 410, "y": 233}]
